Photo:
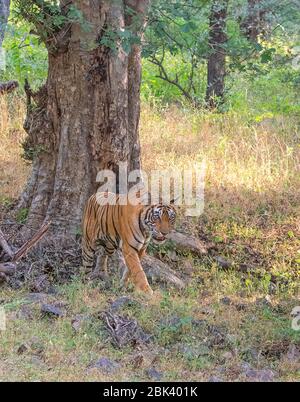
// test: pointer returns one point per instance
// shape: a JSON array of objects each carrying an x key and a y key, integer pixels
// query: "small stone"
[
  {"x": 244, "y": 268},
  {"x": 215, "y": 379},
  {"x": 38, "y": 362},
  {"x": 153, "y": 374},
  {"x": 26, "y": 312},
  {"x": 199, "y": 323},
  {"x": 223, "y": 263},
  {"x": 52, "y": 311},
  {"x": 36, "y": 297},
  {"x": 188, "y": 267},
  {"x": 105, "y": 365},
  {"x": 22, "y": 349},
  {"x": 228, "y": 356},
  {"x": 264, "y": 375},
  {"x": 254, "y": 353},
  {"x": 192, "y": 351},
  {"x": 121, "y": 302},
  {"x": 226, "y": 301},
  {"x": 173, "y": 256},
  {"x": 293, "y": 354},
  {"x": 78, "y": 321}
]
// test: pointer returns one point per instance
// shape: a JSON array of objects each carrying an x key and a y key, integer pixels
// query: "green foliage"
[
  {"x": 48, "y": 17},
  {"x": 177, "y": 49},
  {"x": 261, "y": 80},
  {"x": 26, "y": 56},
  {"x": 22, "y": 215}
]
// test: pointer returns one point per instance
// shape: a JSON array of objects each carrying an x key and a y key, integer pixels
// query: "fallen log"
[
  {"x": 30, "y": 243},
  {"x": 157, "y": 270},
  {"x": 7, "y": 87},
  {"x": 187, "y": 243}
]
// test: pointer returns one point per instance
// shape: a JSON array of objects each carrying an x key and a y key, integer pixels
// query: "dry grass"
[
  {"x": 15, "y": 171},
  {"x": 251, "y": 215},
  {"x": 240, "y": 156}
]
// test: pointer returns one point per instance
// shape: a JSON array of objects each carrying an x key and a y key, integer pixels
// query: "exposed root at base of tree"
[
  {"x": 157, "y": 270},
  {"x": 8, "y": 267}
]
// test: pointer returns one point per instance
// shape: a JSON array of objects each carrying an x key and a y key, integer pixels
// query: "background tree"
[
  {"x": 216, "y": 66},
  {"x": 255, "y": 21},
  {"x": 85, "y": 118},
  {"x": 5, "y": 87},
  {"x": 182, "y": 37},
  {"x": 4, "y": 13}
]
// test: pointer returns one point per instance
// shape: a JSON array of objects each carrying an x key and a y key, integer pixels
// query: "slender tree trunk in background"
[
  {"x": 217, "y": 59},
  {"x": 85, "y": 118},
  {"x": 255, "y": 22},
  {"x": 5, "y": 87},
  {"x": 4, "y": 14}
]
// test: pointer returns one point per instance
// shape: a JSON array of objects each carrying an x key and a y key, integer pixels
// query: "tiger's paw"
[{"x": 145, "y": 291}]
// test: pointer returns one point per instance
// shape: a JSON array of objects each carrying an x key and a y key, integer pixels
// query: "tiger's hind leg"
[
  {"x": 100, "y": 271},
  {"x": 88, "y": 256}
]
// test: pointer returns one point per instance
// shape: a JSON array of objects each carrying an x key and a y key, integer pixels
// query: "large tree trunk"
[
  {"x": 4, "y": 14},
  {"x": 85, "y": 118},
  {"x": 217, "y": 59}
]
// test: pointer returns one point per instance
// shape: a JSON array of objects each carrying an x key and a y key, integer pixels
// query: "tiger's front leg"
[
  {"x": 143, "y": 253},
  {"x": 136, "y": 272}
]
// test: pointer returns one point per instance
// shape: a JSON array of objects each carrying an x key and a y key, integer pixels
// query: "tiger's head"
[{"x": 160, "y": 220}]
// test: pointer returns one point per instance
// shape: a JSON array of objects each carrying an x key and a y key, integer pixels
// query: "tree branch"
[{"x": 164, "y": 76}]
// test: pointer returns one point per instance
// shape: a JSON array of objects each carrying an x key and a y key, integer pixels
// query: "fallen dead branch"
[
  {"x": 31, "y": 243},
  {"x": 9, "y": 267}
]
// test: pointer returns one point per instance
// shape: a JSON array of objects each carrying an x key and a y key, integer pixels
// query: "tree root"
[{"x": 157, "y": 270}]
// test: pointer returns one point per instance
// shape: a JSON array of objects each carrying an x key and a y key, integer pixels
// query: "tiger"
[{"x": 127, "y": 228}]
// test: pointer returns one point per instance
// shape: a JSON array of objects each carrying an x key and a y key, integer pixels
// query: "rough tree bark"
[
  {"x": 4, "y": 14},
  {"x": 85, "y": 118},
  {"x": 217, "y": 58},
  {"x": 255, "y": 22}
]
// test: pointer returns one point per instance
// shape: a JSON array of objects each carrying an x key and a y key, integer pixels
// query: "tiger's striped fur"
[{"x": 128, "y": 228}]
